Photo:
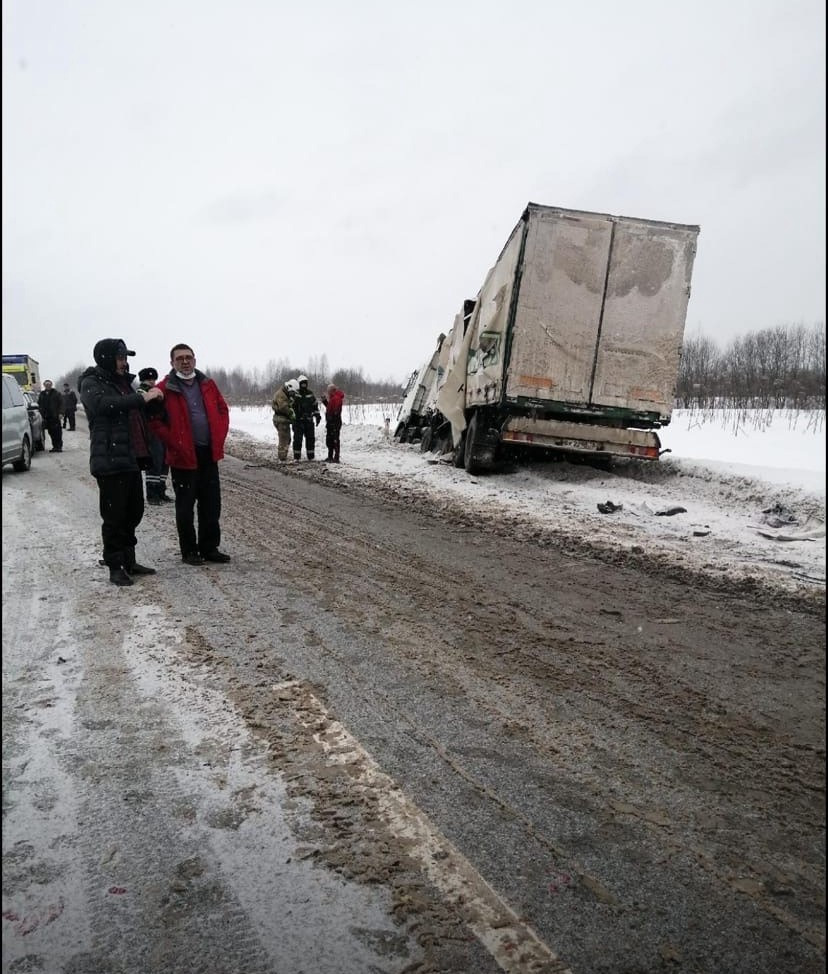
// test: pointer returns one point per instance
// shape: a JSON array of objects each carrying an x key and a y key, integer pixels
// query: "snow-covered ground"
[{"x": 752, "y": 485}]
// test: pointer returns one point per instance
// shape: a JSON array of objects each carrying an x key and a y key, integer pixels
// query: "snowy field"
[{"x": 752, "y": 485}]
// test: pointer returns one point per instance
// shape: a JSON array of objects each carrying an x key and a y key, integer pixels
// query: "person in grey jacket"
[
  {"x": 118, "y": 452},
  {"x": 70, "y": 407}
]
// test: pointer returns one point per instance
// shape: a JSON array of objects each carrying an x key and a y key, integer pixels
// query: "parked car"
[
  {"x": 17, "y": 431},
  {"x": 35, "y": 421}
]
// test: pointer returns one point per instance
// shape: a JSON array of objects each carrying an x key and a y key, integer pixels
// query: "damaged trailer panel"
[
  {"x": 419, "y": 396},
  {"x": 600, "y": 312},
  {"x": 572, "y": 343}
]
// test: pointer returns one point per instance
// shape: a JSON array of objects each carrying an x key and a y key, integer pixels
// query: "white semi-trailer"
[{"x": 572, "y": 343}]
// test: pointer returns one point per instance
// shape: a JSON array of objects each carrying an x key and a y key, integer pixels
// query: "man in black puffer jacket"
[
  {"x": 50, "y": 404},
  {"x": 118, "y": 452}
]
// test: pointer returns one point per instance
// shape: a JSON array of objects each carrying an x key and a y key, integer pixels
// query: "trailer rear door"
[
  {"x": 642, "y": 329},
  {"x": 558, "y": 311}
]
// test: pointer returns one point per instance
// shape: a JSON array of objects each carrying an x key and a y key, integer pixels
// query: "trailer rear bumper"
[{"x": 553, "y": 434}]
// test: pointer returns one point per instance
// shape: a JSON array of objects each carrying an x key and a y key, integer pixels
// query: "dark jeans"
[
  {"x": 53, "y": 428},
  {"x": 69, "y": 417},
  {"x": 199, "y": 488},
  {"x": 333, "y": 425},
  {"x": 121, "y": 498}
]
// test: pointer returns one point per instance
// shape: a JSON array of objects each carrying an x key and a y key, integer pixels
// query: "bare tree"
[
  {"x": 698, "y": 372},
  {"x": 71, "y": 376}
]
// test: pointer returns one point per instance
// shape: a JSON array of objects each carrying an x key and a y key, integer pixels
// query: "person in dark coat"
[
  {"x": 118, "y": 452},
  {"x": 70, "y": 407},
  {"x": 193, "y": 427},
  {"x": 156, "y": 475},
  {"x": 50, "y": 404},
  {"x": 306, "y": 411},
  {"x": 333, "y": 421}
]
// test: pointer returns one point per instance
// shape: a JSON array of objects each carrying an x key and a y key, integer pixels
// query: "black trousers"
[
  {"x": 333, "y": 426},
  {"x": 304, "y": 429},
  {"x": 55, "y": 431},
  {"x": 121, "y": 498},
  {"x": 156, "y": 475},
  {"x": 69, "y": 417},
  {"x": 198, "y": 496}
]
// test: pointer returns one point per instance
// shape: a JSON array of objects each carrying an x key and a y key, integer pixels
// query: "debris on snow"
[{"x": 778, "y": 516}]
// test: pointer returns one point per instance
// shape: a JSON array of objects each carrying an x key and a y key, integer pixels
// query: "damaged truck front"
[{"x": 572, "y": 344}]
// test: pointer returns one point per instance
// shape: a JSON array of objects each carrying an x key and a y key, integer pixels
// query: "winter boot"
[
  {"x": 137, "y": 569},
  {"x": 118, "y": 576},
  {"x": 132, "y": 567}
]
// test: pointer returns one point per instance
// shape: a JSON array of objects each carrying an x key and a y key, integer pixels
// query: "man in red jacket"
[
  {"x": 333, "y": 421},
  {"x": 193, "y": 428}
]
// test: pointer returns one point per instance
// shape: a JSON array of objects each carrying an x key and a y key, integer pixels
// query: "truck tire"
[
  {"x": 444, "y": 445},
  {"x": 469, "y": 459},
  {"x": 480, "y": 454},
  {"x": 459, "y": 457},
  {"x": 425, "y": 440}
]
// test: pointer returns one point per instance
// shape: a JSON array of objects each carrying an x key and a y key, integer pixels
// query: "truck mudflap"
[{"x": 554, "y": 434}]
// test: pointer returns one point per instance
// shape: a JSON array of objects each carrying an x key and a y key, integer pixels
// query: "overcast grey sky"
[{"x": 271, "y": 180}]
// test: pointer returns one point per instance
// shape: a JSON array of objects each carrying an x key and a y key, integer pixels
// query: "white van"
[{"x": 17, "y": 432}]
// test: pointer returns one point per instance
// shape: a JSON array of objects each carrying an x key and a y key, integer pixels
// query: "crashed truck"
[{"x": 571, "y": 345}]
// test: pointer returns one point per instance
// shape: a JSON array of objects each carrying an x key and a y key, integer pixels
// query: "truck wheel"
[
  {"x": 604, "y": 463},
  {"x": 480, "y": 454},
  {"x": 459, "y": 458},
  {"x": 425, "y": 440},
  {"x": 398, "y": 432},
  {"x": 469, "y": 460},
  {"x": 444, "y": 445}
]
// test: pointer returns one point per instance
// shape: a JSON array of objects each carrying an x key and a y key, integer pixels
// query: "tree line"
[
  {"x": 256, "y": 386},
  {"x": 775, "y": 368}
]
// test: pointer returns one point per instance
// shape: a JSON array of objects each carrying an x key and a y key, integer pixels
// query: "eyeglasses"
[{"x": 184, "y": 358}]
